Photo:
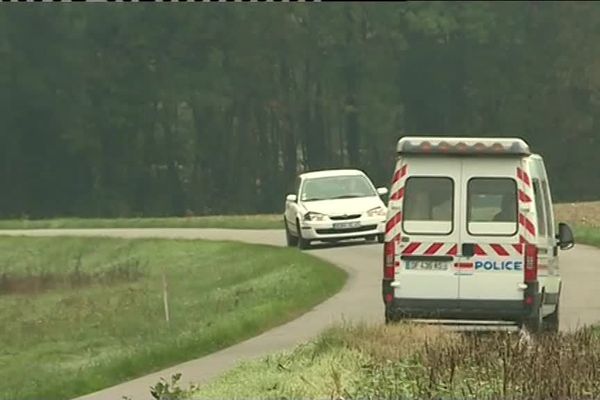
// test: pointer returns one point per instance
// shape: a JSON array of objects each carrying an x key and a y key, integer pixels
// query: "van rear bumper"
[{"x": 482, "y": 310}]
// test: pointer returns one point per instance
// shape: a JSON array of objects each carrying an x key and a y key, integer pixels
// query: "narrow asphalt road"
[{"x": 359, "y": 299}]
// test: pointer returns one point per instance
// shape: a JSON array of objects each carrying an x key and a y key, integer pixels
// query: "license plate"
[
  {"x": 346, "y": 225},
  {"x": 424, "y": 265}
]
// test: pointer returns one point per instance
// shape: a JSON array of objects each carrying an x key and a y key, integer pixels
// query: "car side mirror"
[
  {"x": 291, "y": 198},
  {"x": 382, "y": 191},
  {"x": 565, "y": 236}
]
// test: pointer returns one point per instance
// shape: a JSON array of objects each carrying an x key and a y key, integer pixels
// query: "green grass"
[
  {"x": 81, "y": 314},
  {"x": 587, "y": 235},
  {"x": 412, "y": 362},
  {"x": 265, "y": 221}
]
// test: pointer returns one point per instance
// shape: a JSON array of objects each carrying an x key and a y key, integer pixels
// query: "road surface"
[{"x": 360, "y": 299}]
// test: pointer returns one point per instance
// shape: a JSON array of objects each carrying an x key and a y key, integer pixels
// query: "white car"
[{"x": 333, "y": 205}]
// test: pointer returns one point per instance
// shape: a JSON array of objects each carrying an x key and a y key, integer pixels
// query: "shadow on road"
[{"x": 343, "y": 244}]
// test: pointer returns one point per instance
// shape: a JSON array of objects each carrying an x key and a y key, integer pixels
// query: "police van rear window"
[
  {"x": 428, "y": 206},
  {"x": 492, "y": 207}
]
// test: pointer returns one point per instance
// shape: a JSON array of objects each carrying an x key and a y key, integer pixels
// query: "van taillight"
[
  {"x": 389, "y": 258},
  {"x": 531, "y": 263}
]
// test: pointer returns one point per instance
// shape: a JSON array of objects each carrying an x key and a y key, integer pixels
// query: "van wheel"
[
  {"x": 551, "y": 322},
  {"x": 381, "y": 238},
  {"x": 290, "y": 239},
  {"x": 533, "y": 324},
  {"x": 391, "y": 318},
  {"x": 388, "y": 319},
  {"x": 302, "y": 243}
]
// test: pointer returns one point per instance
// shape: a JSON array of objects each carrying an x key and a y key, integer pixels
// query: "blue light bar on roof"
[{"x": 462, "y": 146}]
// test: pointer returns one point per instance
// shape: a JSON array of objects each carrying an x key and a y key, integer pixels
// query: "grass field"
[
  {"x": 584, "y": 219},
  {"x": 585, "y": 214},
  {"x": 81, "y": 314},
  {"x": 417, "y": 362},
  {"x": 265, "y": 221}
]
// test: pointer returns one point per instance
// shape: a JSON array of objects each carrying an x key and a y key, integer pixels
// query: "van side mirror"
[
  {"x": 291, "y": 198},
  {"x": 382, "y": 191},
  {"x": 565, "y": 236}
]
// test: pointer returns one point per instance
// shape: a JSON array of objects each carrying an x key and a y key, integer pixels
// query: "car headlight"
[
  {"x": 313, "y": 216},
  {"x": 377, "y": 212}
]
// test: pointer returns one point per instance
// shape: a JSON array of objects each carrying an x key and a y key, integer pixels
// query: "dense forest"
[{"x": 179, "y": 109}]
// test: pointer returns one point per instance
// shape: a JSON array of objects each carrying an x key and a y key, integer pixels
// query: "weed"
[{"x": 165, "y": 390}]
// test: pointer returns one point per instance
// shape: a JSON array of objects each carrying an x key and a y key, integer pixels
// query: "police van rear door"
[
  {"x": 429, "y": 235},
  {"x": 491, "y": 259}
]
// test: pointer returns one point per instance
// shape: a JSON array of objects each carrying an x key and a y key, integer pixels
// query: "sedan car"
[{"x": 333, "y": 205}]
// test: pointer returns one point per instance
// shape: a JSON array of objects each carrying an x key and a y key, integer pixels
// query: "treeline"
[{"x": 164, "y": 109}]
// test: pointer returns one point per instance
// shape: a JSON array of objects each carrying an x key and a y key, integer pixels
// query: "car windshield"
[{"x": 336, "y": 187}]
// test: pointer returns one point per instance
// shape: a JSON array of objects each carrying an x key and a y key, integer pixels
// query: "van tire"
[
  {"x": 301, "y": 242},
  {"x": 291, "y": 240},
  {"x": 392, "y": 318},
  {"x": 389, "y": 320},
  {"x": 535, "y": 323}
]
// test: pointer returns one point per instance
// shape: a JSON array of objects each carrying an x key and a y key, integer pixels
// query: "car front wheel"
[
  {"x": 302, "y": 243},
  {"x": 290, "y": 239}
]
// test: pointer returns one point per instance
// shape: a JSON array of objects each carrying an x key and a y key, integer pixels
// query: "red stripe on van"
[
  {"x": 527, "y": 224},
  {"x": 411, "y": 248},
  {"x": 523, "y": 197},
  {"x": 464, "y": 265},
  {"x": 522, "y": 175},
  {"x": 393, "y": 222},
  {"x": 501, "y": 251},
  {"x": 433, "y": 249},
  {"x": 453, "y": 251},
  {"x": 398, "y": 194},
  {"x": 399, "y": 174},
  {"x": 519, "y": 247},
  {"x": 526, "y": 179},
  {"x": 479, "y": 251}
]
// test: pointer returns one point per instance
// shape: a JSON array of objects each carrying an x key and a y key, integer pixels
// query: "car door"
[
  {"x": 429, "y": 235},
  {"x": 489, "y": 247}
]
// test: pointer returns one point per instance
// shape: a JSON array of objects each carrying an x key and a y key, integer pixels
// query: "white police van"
[{"x": 470, "y": 234}]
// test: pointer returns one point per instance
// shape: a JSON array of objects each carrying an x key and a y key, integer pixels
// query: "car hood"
[{"x": 357, "y": 205}]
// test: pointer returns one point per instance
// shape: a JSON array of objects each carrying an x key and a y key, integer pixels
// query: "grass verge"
[
  {"x": 584, "y": 218},
  {"x": 266, "y": 221},
  {"x": 417, "y": 362},
  {"x": 587, "y": 235},
  {"x": 81, "y": 314}
]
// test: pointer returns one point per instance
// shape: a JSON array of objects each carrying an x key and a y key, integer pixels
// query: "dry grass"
[
  {"x": 422, "y": 362},
  {"x": 384, "y": 342},
  {"x": 579, "y": 214},
  {"x": 488, "y": 366}
]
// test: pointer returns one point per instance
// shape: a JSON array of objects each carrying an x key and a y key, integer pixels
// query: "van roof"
[
  {"x": 462, "y": 145},
  {"x": 331, "y": 172}
]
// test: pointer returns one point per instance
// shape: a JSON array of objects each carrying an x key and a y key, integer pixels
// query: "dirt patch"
[
  {"x": 44, "y": 281},
  {"x": 585, "y": 214}
]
